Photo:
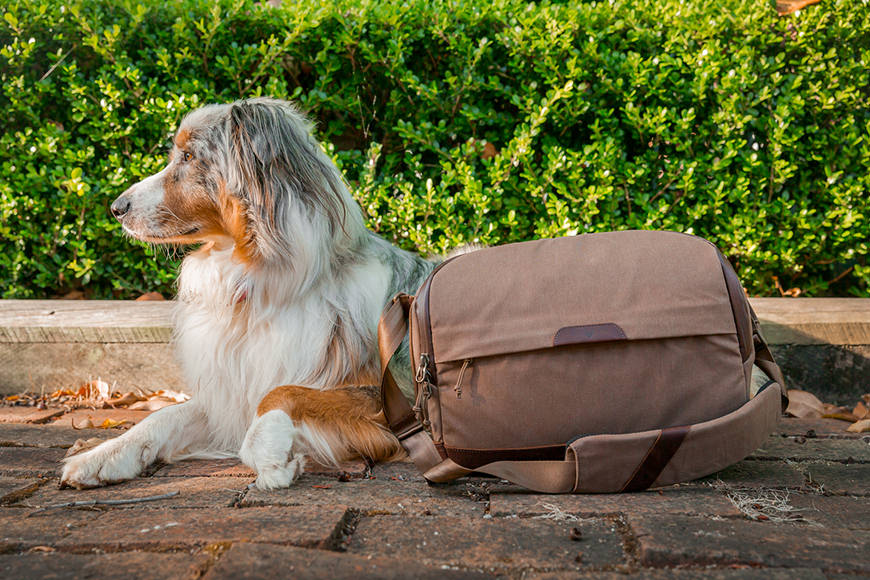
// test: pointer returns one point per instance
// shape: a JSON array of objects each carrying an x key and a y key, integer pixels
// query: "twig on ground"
[
  {"x": 557, "y": 514},
  {"x": 95, "y": 502},
  {"x": 763, "y": 504}
]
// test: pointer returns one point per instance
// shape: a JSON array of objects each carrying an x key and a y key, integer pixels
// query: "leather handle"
[{"x": 392, "y": 328}]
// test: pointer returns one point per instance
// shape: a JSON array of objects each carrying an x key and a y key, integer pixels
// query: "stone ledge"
[
  {"x": 834, "y": 321},
  {"x": 822, "y": 344},
  {"x": 100, "y": 321}
]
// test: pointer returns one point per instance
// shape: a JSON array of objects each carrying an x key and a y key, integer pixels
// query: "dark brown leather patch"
[
  {"x": 661, "y": 452},
  {"x": 588, "y": 333},
  {"x": 474, "y": 458}
]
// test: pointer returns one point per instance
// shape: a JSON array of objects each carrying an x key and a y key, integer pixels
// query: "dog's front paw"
[
  {"x": 269, "y": 449},
  {"x": 280, "y": 476},
  {"x": 112, "y": 462}
]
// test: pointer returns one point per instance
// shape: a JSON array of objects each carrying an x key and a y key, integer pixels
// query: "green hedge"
[{"x": 485, "y": 121}]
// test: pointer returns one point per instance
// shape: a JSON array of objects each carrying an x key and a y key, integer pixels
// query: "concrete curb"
[{"x": 823, "y": 344}]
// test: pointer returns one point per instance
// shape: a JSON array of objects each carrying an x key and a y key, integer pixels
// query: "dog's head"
[{"x": 248, "y": 174}]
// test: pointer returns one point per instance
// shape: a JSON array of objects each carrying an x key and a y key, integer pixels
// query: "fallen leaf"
[
  {"x": 861, "y": 426},
  {"x": 860, "y": 411},
  {"x": 124, "y": 400},
  {"x": 174, "y": 396},
  {"x": 149, "y": 296},
  {"x": 784, "y": 7},
  {"x": 803, "y": 404},
  {"x": 322, "y": 486},
  {"x": 82, "y": 445},
  {"x": 12, "y": 398},
  {"x": 150, "y": 405},
  {"x": 41, "y": 549},
  {"x": 86, "y": 424},
  {"x": 830, "y": 411},
  {"x": 111, "y": 423},
  {"x": 841, "y": 415}
]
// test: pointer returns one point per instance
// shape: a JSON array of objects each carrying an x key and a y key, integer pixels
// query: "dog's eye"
[{"x": 186, "y": 156}]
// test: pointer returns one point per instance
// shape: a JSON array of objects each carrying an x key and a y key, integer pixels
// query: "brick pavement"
[{"x": 391, "y": 524}]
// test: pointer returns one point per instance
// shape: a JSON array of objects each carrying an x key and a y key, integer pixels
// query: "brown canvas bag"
[{"x": 598, "y": 363}]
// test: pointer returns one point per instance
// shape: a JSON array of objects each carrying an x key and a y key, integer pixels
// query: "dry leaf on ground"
[
  {"x": 158, "y": 400},
  {"x": 86, "y": 424},
  {"x": 861, "y": 411},
  {"x": 111, "y": 423},
  {"x": 89, "y": 424},
  {"x": 861, "y": 426},
  {"x": 803, "y": 404},
  {"x": 82, "y": 445},
  {"x": 124, "y": 400},
  {"x": 842, "y": 413}
]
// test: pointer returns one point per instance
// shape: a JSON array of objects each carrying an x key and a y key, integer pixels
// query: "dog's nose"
[{"x": 120, "y": 207}]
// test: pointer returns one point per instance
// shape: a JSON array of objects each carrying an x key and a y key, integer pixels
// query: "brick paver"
[
  {"x": 395, "y": 489},
  {"x": 672, "y": 501},
  {"x": 30, "y": 461},
  {"x": 193, "y": 492},
  {"x": 851, "y": 479},
  {"x": 39, "y": 436},
  {"x": 845, "y": 450},
  {"x": 115, "y": 530},
  {"x": 13, "y": 489},
  {"x": 388, "y": 523},
  {"x": 139, "y": 565},
  {"x": 679, "y": 540},
  {"x": 263, "y": 561},
  {"x": 492, "y": 544}
]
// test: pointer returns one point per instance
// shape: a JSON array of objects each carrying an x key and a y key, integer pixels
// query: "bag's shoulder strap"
[{"x": 402, "y": 420}]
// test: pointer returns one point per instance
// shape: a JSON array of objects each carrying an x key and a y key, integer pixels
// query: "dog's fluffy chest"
[{"x": 239, "y": 336}]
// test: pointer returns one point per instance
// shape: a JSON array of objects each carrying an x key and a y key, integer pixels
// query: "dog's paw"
[
  {"x": 269, "y": 450},
  {"x": 112, "y": 462},
  {"x": 279, "y": 477}
]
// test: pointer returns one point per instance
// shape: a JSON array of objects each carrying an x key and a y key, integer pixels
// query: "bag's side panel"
[
  {"x": 544, "y": 398},
  {"x": 742, "y": 317}
]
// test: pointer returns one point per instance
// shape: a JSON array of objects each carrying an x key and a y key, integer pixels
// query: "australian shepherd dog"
[{"x": 277, "y": 310}]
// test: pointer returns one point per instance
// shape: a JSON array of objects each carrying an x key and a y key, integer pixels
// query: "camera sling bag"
[{"x": 604, "y": 362}]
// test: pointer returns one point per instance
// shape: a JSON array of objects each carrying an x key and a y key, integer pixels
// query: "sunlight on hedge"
[{"x": 456, "y": 122}]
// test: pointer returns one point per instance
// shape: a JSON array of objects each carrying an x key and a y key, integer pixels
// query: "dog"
[{"x": 277, "y": 310}]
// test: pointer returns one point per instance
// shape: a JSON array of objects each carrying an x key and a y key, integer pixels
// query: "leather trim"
[
  {"x": 474, "y": 458},
  {"x": 658, "y": 456},
  {"x": 588, "y": 333}
]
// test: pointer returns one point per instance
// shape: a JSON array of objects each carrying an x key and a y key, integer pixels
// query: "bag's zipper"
[
  {"x": 458, "y": 386},
  {"x": 425, "y": 376},
  {"x": 424, "y": 390}
]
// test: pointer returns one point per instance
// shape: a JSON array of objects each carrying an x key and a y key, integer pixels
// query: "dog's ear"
[{"x": 280, "y": 164}]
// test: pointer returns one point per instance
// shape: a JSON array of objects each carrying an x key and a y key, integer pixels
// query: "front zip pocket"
[{"x": 458, "y": 387}]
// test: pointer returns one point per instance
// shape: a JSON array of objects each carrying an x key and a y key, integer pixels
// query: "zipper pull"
[
  {"x": 422, "y": 369},
  {"x": 424, "y": 389},
  {"x": 458, "y": 386}
]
